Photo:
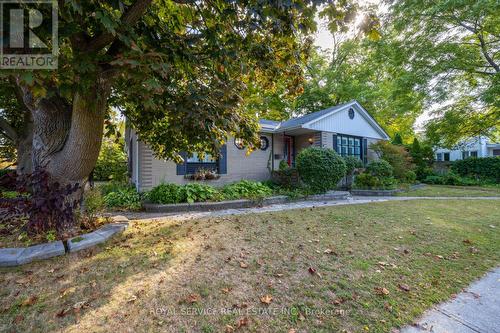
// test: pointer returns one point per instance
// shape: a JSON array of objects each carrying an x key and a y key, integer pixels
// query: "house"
[
  {"x": 475, "y": 147},
  {"x": 347, "y": 128}
]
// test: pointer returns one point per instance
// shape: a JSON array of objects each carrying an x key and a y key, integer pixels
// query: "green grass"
[
  {"x": 163, "y": 275},
  {"x": 453, "y": 191}
]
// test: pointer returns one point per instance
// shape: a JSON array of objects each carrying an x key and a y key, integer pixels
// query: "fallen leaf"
[
  {"x": 229, "y": 329},
  {"x": 30, "y": 301},
  {"x": 266, "y": 299},
  {"x": 404, "y": 287},
  {"x": 132, "y": 299},
  {"x": 381, "y": 291},
  {"x": 243, "y": 264},
  {"x": 313, "y": 271},
  {"x": 242, "y": 322},
  {"x": 62, "y": 313},
  {"x": 24, "y": 280},
  {"x": 467, "y": 241},
  {"x": 18, "y": 319},
  {"x": 226, "y": 290},
  {"x": 292, "y": 330},
  {"x": 193, "y": 298}
]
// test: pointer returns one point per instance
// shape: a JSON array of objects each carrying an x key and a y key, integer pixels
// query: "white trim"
[
  {"x": 364, "y": 113},
  {"x": 136, "y": 169}
]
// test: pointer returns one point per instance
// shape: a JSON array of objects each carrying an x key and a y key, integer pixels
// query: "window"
[
  {"x": 439, "y": 156},
  {"x": 446, "y": 156},
  {"x": 349, "y": 146},
  {"x": 195, "y": 163},
  {"x": 473, "y": 153},
  {"x": 351, "y": 113},
  {"x": 239, "y": 143},
  {"x": 264, "y": 143},
  {"x": 465, "y": 154},
  {"x": 196, "y": 159}
]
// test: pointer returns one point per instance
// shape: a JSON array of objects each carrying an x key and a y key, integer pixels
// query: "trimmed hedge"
[
  {"x": 320, "y": 168},
  {"x": 485, "y": 168}
]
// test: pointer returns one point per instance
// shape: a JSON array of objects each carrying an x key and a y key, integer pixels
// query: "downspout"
[{"x": 272, "y": 151}]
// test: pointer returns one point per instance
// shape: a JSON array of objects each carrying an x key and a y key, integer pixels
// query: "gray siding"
[{"x": 240, "y": 166}]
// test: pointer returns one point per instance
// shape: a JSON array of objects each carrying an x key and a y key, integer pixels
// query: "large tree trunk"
[
  {"x": 67, "y": 135},
  {"x": 24, "y": 152}
]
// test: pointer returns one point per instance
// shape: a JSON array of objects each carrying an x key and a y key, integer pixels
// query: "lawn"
[
  {"x": 358, "y": 268},
  {"x": 453, "y": 191}
]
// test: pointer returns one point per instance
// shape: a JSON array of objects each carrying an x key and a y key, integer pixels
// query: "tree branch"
[
  {"x": 485, "y": 53},
  {"x": 129, "y": 18},
  {"x": 8, "y": 130}
]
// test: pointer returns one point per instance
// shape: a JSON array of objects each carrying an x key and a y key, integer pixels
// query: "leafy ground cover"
[
  {"x": 349, "y": 268},
  {"x": 453, "y": 191}
]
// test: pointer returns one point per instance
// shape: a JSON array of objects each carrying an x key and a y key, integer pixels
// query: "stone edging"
[
  {"x": 23, "y": 255},
  {"x": 238, "y": 204},
  {"x": 383, "y": 193}
]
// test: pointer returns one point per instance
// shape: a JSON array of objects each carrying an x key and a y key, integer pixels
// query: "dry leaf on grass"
[
  {"x": 266, "y": 299},
  {"x": 193, "y": 298},
  {"x": 404, "y": 287},
  {"x": 381, "y": 291},
  {"x": 18, "y": 319},
  {"x": 243, "y": 264},
  {"x": 30, "y": 301},
  {"x": 242, "y": 322},
  {"x": 313, "y": 271}
]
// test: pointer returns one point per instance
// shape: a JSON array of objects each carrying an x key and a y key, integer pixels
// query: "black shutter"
[
  {"x": 365, "y": 151},
  {"x": 223, "y": 160},
  {"x": 335, "y": 143},
  {"x": 181, "y": 168}
]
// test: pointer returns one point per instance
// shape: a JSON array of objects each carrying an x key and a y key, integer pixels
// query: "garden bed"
[
  {"x": 23, "y": 255},
  {"x": 383, "y": 193},
  {"x": 238, "y": 204}
]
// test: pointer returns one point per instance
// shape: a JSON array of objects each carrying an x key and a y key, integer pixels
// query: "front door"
[{"x": 288, "y": 150}]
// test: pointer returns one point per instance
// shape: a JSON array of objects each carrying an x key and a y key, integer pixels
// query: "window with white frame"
[
  {"x": 439, "y": 156},
  {"x": 349, "y": 146}
]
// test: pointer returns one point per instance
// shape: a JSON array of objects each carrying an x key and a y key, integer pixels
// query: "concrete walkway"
[
  {"x": 356, "y": 200},
  {"x": 476, "y": 310}
]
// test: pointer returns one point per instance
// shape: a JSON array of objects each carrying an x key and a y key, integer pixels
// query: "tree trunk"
[
  {"x": 24, "y": 144},
  {"x": 67, "y": 135}
]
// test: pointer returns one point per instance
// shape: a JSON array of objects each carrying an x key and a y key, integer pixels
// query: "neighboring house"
[
  {"x": 347, "y": 128},
  {"x": 476, "y": 147}
]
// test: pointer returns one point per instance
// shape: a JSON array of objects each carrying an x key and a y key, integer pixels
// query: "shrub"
[
  {"x": 320, "y": 168},
  {"x": 396, "y": 155},
  {"x": 352, "y": 163},
  {"x": 287, "y": 178},
  {"x": 452, "y": 178},
  {"x": 283, "y": 165},
  {"x": 93, "y": 202},
  {"x": 245, "y": 189},
  {"x": 378, "y": 175},
  {"x": 125, "y": 198},
  {"x": 423, "y": 173},
  {"x": 165, "y": 194},
  {"x": 198, "y": 192},
  {"x": 380, "y": 168},
  {"x": 112, "y": 162},
  {"x": 434, "y": 179},
  {"x": 422, "y": 156},
  {"x": 369, "y": 181},
  {"x": 46, "y": 205},
  {"x": 410, "y": 177},
  {"x": 485, "y": 168}
]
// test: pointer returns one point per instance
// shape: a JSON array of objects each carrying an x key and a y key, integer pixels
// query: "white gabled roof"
[{"x": 334, "y": 120}]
